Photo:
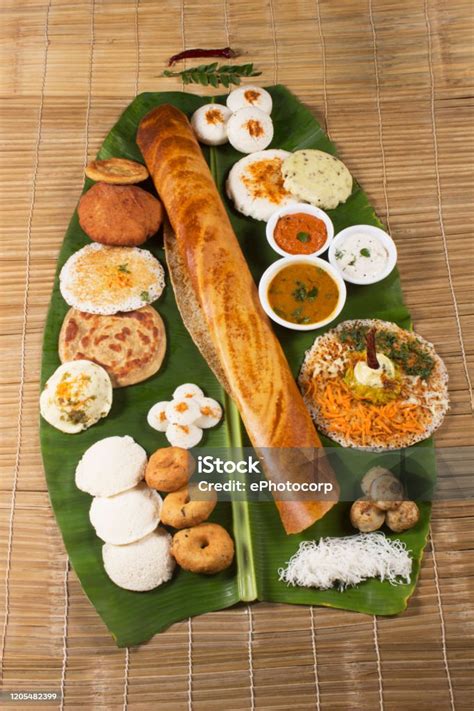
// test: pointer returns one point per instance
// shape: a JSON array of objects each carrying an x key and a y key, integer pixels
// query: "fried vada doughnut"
[
  {"x": 169, "y": 469},
  {"x": 206, "y": 548},
  {"x": 119, "y": 215},
  {"x": 184, "y": 508}
]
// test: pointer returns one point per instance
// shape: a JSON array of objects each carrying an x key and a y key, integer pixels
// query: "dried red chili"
[
  {"x": 226, "y": 52},
  {"x": 372, "y": 361}
]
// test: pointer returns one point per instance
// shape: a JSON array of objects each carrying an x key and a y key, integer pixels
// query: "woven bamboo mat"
[{"x": 391, "y": 82}]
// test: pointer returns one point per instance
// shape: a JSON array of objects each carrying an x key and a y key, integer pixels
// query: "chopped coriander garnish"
[
  {"x": 300, "y": 293},
  {"x": 339, "y": 254},
  {"x": 312, "y": 293},
  {"x": 123, "y": 268},
  {"x": 145, "y": 296},
  {"x": 352, "y": 262},
  {"x": 365, "y": 252},
  {"x": 303, "y": 236}
]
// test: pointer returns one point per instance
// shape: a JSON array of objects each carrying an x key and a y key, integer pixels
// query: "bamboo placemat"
[{"x": 391, "y": 82}]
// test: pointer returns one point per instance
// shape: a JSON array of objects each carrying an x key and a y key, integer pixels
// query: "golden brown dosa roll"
[{"x": 248, "y": 352}]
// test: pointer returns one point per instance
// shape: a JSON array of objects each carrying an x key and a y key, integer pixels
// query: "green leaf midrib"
[{"x": 246, "y": 571}]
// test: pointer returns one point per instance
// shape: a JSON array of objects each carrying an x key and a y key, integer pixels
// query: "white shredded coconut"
[{"x": 348, "y": 561}]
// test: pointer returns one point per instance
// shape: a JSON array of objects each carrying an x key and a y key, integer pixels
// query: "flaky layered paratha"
[{"x": 130, "y": 346}]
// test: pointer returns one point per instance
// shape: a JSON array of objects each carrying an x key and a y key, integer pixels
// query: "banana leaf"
[{"x": 261, "y": 543}]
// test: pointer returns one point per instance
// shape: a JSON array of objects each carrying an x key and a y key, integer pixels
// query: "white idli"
[
  {"x": 210, "y": 413},
  {"x": 126, "y": 517},
  {"x": 182, "y": 412},
  {"x": 142, "y": 565},
  {"x": 253, "y": 96},
  {"x": 187, "y": 390},
  {"x": 184, "y": 436},
  {"x": 76, "y": 396},
  {"x": 156, "y": 417},
  {"x": 210, "y": 124},
  {"x": 104, "y": 280},
  {"x": 250, "y": 130},
  {"x": 255, "y": 184},
  {"x": 110, "y": 466}
]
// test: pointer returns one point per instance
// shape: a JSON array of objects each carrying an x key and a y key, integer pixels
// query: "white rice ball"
[
  {"x": 253, "y": 96},
  {"x": 184, "y": 436},
  {"x": 110, "y": 466},
  {"x": 210, "y": 413},
  {"x": 142, "y": 565},
  {"x": 210, "y": 124},
  {"x": 182, "y": 412},
  {"x": 250, "y": 130},
  {"x": 126, "y": 517},
  {"x": 156, "y": 417},
  {"x": 187, "y": 390}
]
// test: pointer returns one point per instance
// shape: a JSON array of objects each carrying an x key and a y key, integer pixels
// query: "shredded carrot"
[{"x": 364, "y": 422}]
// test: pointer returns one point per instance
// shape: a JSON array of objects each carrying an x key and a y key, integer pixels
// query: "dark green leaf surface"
[{"x": 134, "y": 617}]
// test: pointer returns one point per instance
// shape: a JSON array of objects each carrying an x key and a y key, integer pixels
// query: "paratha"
[
  {"x": 129, "y": 346},
  {"x": 406, "y": 407}
]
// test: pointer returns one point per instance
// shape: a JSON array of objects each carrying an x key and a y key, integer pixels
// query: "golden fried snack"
[
  {"x": 169, "y": 469},
  {"x": 206, "y": 548},
  {"x": 118, "y": 171},
  {"x": 180, "y": 510},
  {"x": 119, "y": 215}
]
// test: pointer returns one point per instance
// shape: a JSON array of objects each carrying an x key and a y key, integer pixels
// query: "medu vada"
[
  {"x": 184, "y": 508},
  {"x": 206, "y": 548},
  {"x": 169, "y": 469}
]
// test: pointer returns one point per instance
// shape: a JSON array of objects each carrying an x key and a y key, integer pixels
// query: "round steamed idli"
[
  {"x": 317, "y": 177},
  {"x": 210, "y": 124},
  {"x": 255, "y": 184},
  {"x": 76, "y": 396},
  {"x": 104, "y": 280},
  {"x": 110, "y": 466},
  {"x": 250, "y": 130},
  {"x": 142, "y": 565},
  {"x": 250, "y": 96},
  {"x": 126, "y": 517}
]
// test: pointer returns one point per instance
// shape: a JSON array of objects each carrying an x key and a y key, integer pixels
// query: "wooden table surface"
[{"x": 392, "y": 81}]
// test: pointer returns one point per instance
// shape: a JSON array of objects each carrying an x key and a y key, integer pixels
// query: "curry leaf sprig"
[{"x": 214, "y": 74}]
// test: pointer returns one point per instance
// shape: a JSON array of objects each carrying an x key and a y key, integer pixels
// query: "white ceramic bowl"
[
  {"x": 291, "y": 210},
  {"x": 385, "y": 240},
  {"x": 274, "y": 268}
]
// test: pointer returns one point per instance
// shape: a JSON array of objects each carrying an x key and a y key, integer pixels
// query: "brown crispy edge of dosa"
[{"x": 295, "y": 515}]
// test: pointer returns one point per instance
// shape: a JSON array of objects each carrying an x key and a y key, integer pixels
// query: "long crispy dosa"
[{"x": 250, "y": 356}]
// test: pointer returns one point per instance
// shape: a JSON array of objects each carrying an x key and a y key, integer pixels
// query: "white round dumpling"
[
  {"x": 126, "y": 517},
  {"x": 250, "y": 130},
  {"x": 142, "y": 565},
  {"x": 187, "y": 390},
  {"x": 253, "y": 96},
  {"x": 210, "y": 413},
  {"x": 184, "y": 436},
  {"x": 182, "y": 412},
  {"x": 156, "y": 417},
  {"x": 210, "y": 124},
  {"x": 110, "y": 466}
]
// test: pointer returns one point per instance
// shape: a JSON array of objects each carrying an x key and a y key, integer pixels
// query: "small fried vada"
[
  {"x": 404, "y": 517},
  {"x": 118, "y": 171},
  {"x": 169, "y": 469},
  {"x": 187, "y": 507},
  {"x": 119, "y": 215},
  {"x": 206, "y": 548}
]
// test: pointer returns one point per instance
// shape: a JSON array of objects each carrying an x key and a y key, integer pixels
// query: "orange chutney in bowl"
[{"x": 300, "y": 233}]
